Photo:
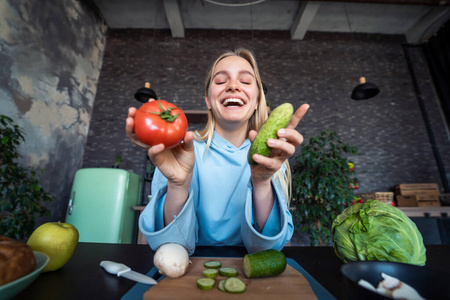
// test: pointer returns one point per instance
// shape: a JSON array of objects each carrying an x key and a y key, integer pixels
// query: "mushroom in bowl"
[{"x": 362, "y": 279}]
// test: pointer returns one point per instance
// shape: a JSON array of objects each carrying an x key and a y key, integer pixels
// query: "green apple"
[{"x": 57, "y": 240}]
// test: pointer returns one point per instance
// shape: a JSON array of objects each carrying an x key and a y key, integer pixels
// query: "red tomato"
[{"x": 159, "y": 122}]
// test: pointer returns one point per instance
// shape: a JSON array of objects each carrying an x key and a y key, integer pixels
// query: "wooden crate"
[
  {"x": 417, "y": 189},
  {"x": 425, "y": 194},
  {"x": 406, "y": 201},
  {"x": 386, "y": 197},
  {"x": 366, "y": 196},
  {"x": 427, "y": 203}
]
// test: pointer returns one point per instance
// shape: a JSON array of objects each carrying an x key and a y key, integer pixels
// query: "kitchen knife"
[{"x": 124, "y": 271}]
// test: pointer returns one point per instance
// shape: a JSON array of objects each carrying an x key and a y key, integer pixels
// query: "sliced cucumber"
[
  {"x": 228, "y": 272},
  {"x": 206, "y": 283},
  {"x": 210, "y": 273},
  {"x": 213, "y": 264},
  {"x": 221, "y": 285},
  {"x": 234, "y": 285},
  {"x": 266, "y": 263}
]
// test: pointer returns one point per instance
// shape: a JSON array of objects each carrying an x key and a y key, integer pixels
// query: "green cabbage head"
[{"x": 377, "y": 231}]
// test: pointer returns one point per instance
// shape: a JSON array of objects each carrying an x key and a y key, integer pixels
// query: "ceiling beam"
[
  {"x": 305, "y": 14},
  {"x": 428, "y": 25},
  {"x": 173, "y": 13}
]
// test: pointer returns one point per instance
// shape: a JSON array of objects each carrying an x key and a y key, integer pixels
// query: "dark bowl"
[{"x": 428, "y": 283}]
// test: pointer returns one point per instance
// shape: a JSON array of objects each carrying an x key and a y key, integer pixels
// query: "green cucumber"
[
  {"x": 228, "y": 272},
  {"x": 213, "y": 264},
  {"x": 234, "y": 285},
  {"x": 266, "y": 263},
  {"x": 206, "y": 283},
  {"x": 278, "y": 118},
  {"x": 210, "y": 273},
  {"x": 221, "y": 285}
]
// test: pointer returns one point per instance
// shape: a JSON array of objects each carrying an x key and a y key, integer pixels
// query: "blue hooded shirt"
[{"x": 219, "y": 208}]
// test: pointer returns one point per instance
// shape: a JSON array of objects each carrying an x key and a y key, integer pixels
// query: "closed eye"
[{"x": 246, "y": 78}]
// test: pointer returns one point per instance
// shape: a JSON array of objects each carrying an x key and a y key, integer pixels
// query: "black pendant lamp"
[
  {"x": 145, "y": 93},
  {"x": 365, "y": 90}
]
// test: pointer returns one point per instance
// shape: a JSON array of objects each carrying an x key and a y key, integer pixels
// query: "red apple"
[{"x": 57, "y": 240}]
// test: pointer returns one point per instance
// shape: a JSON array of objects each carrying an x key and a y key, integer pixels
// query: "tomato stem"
[{"x": 165, "y": 114}]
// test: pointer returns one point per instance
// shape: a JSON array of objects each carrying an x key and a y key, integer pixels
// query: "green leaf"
[
  {"x": 21, "y": 195},
  {"x": 320, "y": 179}
]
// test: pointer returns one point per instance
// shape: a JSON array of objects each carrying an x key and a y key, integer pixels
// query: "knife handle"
[{"x": 114, "y": 268}]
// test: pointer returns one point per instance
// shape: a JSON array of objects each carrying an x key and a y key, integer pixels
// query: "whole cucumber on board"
[
  {"x": 278, "y": 118},
  {"x": 266, "y": 263}
]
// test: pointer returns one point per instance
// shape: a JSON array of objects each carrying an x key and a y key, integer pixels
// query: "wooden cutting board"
[{"x": 288, "y": 285}]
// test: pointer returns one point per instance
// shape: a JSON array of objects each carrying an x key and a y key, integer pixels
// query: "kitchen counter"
[{"x": 83, "y": 278}]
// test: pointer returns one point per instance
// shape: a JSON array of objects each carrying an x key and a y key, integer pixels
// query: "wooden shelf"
[{"x": 432, "y": 211}]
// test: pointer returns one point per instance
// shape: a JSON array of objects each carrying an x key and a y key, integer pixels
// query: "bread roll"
[{"x": 16, "y": 260}]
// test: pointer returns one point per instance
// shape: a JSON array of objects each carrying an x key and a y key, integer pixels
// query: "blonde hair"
[{"x": 256, "y": 120}]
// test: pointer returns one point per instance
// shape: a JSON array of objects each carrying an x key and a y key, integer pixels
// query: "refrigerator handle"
[{"x": 70, "y": 207}]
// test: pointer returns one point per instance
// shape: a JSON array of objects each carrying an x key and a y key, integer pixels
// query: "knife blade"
[{"x": 124, "y": 271}]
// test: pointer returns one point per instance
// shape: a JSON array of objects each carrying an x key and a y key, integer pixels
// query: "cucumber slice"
[
  {"x": 228, "y": 272},
  {"x": 266, "y": 263},
  {"x": 210, "y": 273},
  {"x": 221, "y": 285},
  {"x": 234, "y": 285},
  {"x": 213, "y": 264},
  {"x": 206, "y": 283}
]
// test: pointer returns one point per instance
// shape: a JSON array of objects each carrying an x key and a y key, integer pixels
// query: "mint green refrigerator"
[{"x": 101, "y": 205}]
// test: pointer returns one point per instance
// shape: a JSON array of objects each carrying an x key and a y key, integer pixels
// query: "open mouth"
[{"x": 233, "y": 102}]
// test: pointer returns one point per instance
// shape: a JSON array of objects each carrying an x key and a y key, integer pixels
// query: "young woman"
[{"x": 204, "y": 192}]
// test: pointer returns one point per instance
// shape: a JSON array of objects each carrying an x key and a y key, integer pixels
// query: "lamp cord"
[
  {"x": 153, "y": 46},
  {"x": 352, "y": 35}
]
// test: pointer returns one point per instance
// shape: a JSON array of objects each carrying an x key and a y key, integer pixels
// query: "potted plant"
[
  {"x": 21, "y": 196},
  {"x": 117, "y": 161},
  {"x": 322, "y": 184}
]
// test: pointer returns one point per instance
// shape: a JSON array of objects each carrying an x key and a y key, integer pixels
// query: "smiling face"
[{"x": 233, "y": 93}]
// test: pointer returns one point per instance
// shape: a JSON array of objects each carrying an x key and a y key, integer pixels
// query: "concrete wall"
[
  {"x": 51, "y": 54},
  {"x": 321, "y": 70}
]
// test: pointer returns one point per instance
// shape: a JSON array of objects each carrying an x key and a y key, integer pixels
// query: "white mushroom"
[
  {"x": 393, "y": 288},
  {"x": 406, "y": 292},
  {"x": 390, "y": 282},
  {"x": 171, "y": 260},
  {"x": 387, "y": 285},
  {"x": 367, "y": 285}
]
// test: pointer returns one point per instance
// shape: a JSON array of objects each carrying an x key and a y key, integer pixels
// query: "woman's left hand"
[{"x": 282, "y": 148}]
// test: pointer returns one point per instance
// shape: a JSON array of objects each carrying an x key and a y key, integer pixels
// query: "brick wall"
[{"x": 321, "y": 70}]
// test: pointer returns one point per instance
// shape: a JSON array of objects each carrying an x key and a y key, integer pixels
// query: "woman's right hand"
[
  {"x": 129, "y": 128},
  {"x": 175, "y": 164}
]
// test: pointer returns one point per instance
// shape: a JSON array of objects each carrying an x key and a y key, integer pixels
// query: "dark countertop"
[{"x": 83, "y": 278}]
